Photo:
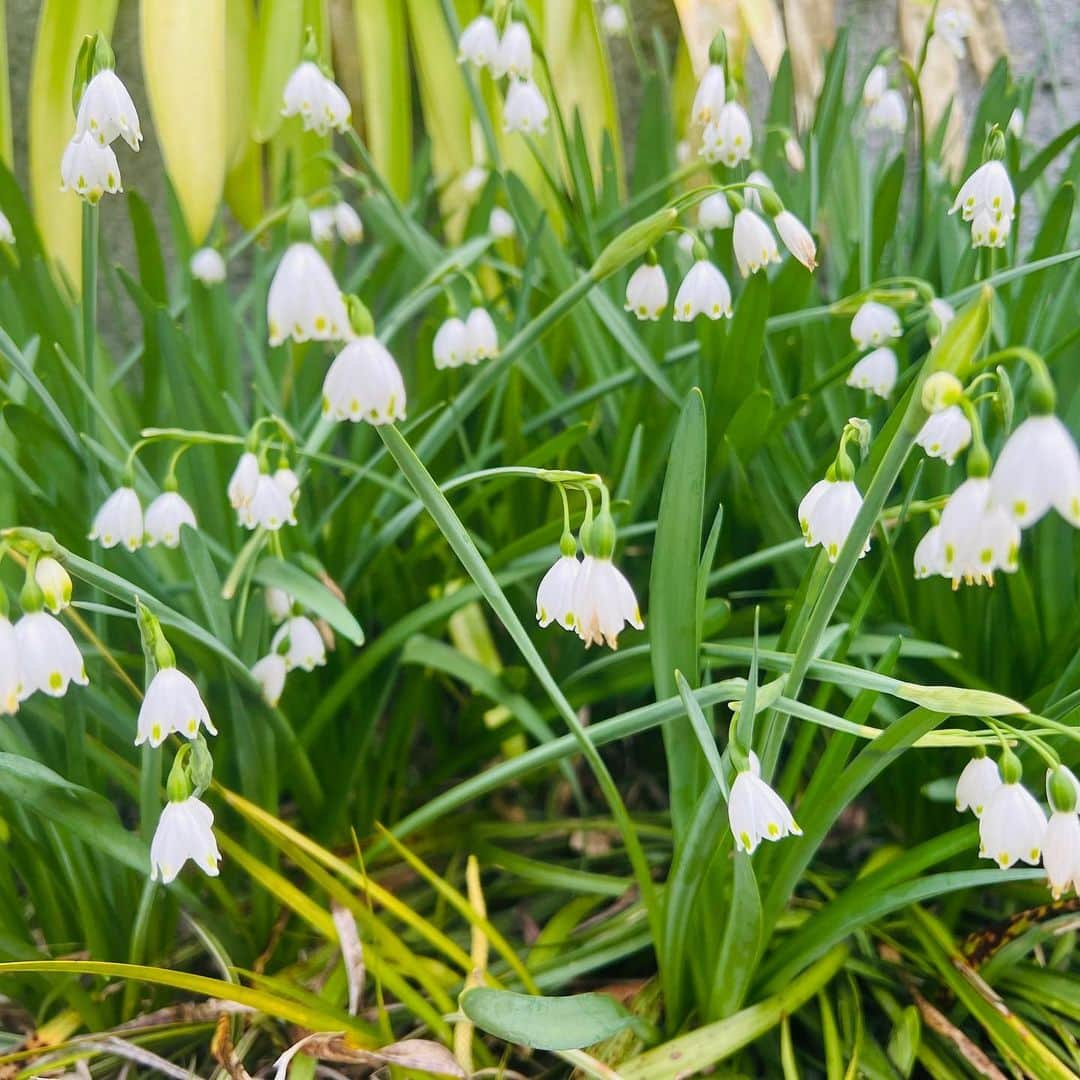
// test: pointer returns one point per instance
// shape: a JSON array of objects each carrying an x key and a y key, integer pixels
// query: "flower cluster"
[
  {"x": 986, "y": 199},
  {"x": 885, "y": 107},
  {"x": 121, "y": 521},
  {"x": 875, "y": 324},
  {"x": 320, "y": 103},
  {"x": 263, "y": 499},
  {"x": 298, "y": 643},
  {"x": 509, "y": 56},
  {"x": 465, "y": 341}
]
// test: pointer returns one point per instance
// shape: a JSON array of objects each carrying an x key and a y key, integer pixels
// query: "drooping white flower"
[
  {"x": 244, "y": 480},
  {"x": 704, "y": 291},
  {"x": 797, "y": 239},
  {"x": 269, "y": 673},
  {"x": 49, "y": 659},
  {"x": 164, "y": 517},
  {"x": 321, "y": 223},
  {"x": 952, "y": 26},
  {"x": 10, "y": 672},
  {"x": 683, "y": 152},
  {"x": 89, "y": 169},
  {"x": 977, "y": 537},
  {"x": 979, "y": 780},
  {"x": 942, "y": 313},
  {"x": 7, "y": 234},
  {"x": 501, "y": 224},
  {"x": 288, "y": 483},
  {"x": 185, "y": 831},
  {"x": 472, "y": 183},
  {"x": 479, "y": 43},
  {"x": 106, "y": 111},
  {"x": 1038, "y": 468},
  {"x": 349, "y": 224},
  {"x": 515, "y": 56},
  {"x": 826, "y": 514},
  {"x": 602, "y": 601},
  {"x": 555, "y": 595},
  {"x": 317, "y": 100},
  {"x": 877, "y": 82},
  {"x": 929, "y": 556},
  {"x": 207, "y": 266},
  {"x": 119, "y": 521},
  {"x": 945, "y": 434},
  {"x": 889, "y": 112},
  {"x": 793, "y": 151},
  {"x": 482, "y": 337},
  {"x": 715, "y": 212},
  {"x": 874, "y": 324},
  {"x": 686, "y": 243},
  {"x": 304, "y": 301},
  {"x": 756, "y": 180},
  {"x": 364, "y": 383},
  {"x": 1061, "y": 852},
  {"x": 987, "y": 189},
  {"x": 55, "y": 584},
  {"x": 451, "y": 345},
  {"x": 756, "y": 812},
  {"x": 303, "y": 644},
  {"x": 1015, "y": 125},
  {"x": 1012, "y": 826},
  {"x": 279, "y": 603},
  {"x": 269, "y": 507},
  {"x": 728, "y": 138},
  {"x": 613, "y": 20},
  {"x": 647, "y": 291},
  {"x": 989, "y": 229},
  {"x": 710, "y": 95},
  {"x": 172, "y": 704},
  {"x": 875, "y": 372},
  {"x": 525, "y": 109},
  {"x": 754, "y": 244}
]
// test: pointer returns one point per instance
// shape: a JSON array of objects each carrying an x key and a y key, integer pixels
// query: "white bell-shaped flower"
[
  {"x": 185, "y": 831},
  {"x": 1038, "y": 468},
  {"x": 364, "y": 383},
  {"x": 930, "y": 555},
  {"x": 55, "y": 584},
  {"x": 300, "y": 642},
  {"x": 989, "y": 229},
  {"x": 797, "y": 239},
  {"x": 877, "y": 82},
  {"x": 349, "y": 224},
  {"x": 979, "y": 780},
  {"x": 164, "y": 518},
  {"x": 119, "y": 521},
  {"x": 1015, "y": 126},
  {"x": 715, "y": 212},
  {"x": 172, "y": 704},
  {"x": 89, "y": 169},
  {"x": 322, "y": 224},
  {"x": 49, "y": 659},
  {"x": 317, "y": 100},
  {"x": 754, "y": 243},
  {"x": 7, "y": 233},
  {"x": 207, "y": 266},
  {"x": 756, "y": 812},
  {"x": 874, "y": 324},
  {"x": 1012, "y": 826},
  {"x": 479, "y": 43},
  {"x": 686, "y": 243},
  {"x": 875, "y": 372},
  {"x": 755, "y": 180},
  {"x": 269, "y": 508},
  {"x": 244, "y": 480},
  {"x": 483, "y": 338},
  {"x": 710, "y": 95},
  {"x": 942, "y": 313},
  {"x": 279, "y": 604},
  {"x": 304, "y": 301},
  {"x": 107, "y": 112},
  {"x": 515, "y": 57},
  {"x": 952, "y": 26},
  {"x": 501, "y": 224},
  {"x": 888, "y": 113},
  {"x": 945, "y": 434},
  {"x": 987, "y": 189},
  {"x": 613, "y": 20},
  {"x": 555, "y": 595},
  {"x": 827, "y": 513},
  {"x": 288, "y": 483},
  {"x": 602, "y": 601},
  {"x": 647, "y": 291},
  {"x": 269, "y": 673},
  {"x": 793, "y": 152},
  {"x": 729, "y": 138},
  {"x": 704, "y": 291},
  {"x": 474, "y": 180},
  {"x": 1061, "y": 852},
  {"x": 451, "y": 345},
  {"x": 10, "y": 672},
  {"x": 977, "y": 536},
  {"x": 525, "y": 109}
]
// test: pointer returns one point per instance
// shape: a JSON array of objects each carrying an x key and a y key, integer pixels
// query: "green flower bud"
[
  {"x": 1012, "y": 772},
  {"x": 359, "y": 316},
  {"x": 770, "y": 201},
  {"x": 633, "y": 242},
  {"x": 1061, "y": 790},
  {"x": 178, "y": 786},
  {"x": 718, "y": 50},
  {"x": 31, "y": 598},
  {"x": 994, "y": 147}
]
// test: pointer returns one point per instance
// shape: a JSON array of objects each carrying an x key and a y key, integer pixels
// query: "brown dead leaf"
[
  {"x": 221, "y": 1046},
  {"x": 811, "y": 31},
  {"x": 352, "y": 952}
]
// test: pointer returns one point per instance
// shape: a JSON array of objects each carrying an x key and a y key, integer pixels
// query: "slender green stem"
[{"x": 89, "y": 325}]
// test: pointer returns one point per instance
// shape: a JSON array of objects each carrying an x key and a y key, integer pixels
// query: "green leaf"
[
  {"x": 546, "y": 1023},
  {"x": 311, "y": 594}
]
